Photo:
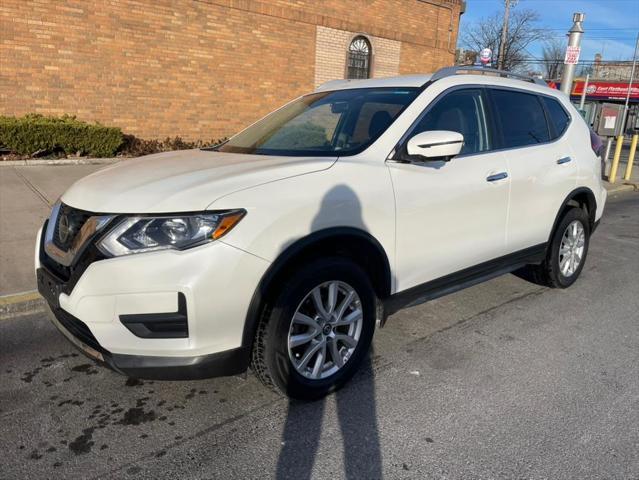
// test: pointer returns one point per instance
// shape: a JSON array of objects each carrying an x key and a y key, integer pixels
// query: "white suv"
[{"x": 285, "y": 246}]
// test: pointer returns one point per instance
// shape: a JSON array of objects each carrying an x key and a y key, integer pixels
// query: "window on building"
[
  {"x": 521, "y": 117},
  {"x": 359, "y": 58}
]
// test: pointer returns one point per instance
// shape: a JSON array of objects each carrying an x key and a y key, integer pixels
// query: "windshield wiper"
[{"x": 214, "y": 148}]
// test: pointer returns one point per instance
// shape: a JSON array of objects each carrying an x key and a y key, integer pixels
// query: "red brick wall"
[{"x": 199, "y": 69}]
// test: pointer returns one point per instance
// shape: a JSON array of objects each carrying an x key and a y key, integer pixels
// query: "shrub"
[
  {"x": 37, "y": 134},
  {"x": 133, "y": 146}
]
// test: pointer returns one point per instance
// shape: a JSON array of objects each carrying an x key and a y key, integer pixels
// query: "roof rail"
[{"x": 450, "y": 71}]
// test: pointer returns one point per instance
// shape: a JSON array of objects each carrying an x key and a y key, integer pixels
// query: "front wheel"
[{"x": 317, "y": 332}]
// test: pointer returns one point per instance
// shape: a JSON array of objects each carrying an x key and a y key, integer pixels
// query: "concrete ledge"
[
  {"x": 60, "y": 161},
  {"x": 19, "y": 304},
  {"x": 621, "y": 187}
]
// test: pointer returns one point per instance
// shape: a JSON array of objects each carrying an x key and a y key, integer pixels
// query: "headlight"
[{"x": 146, "y": 234}]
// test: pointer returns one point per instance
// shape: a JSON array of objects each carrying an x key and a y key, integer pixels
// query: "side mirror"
[{"x": 435, "y": 145}]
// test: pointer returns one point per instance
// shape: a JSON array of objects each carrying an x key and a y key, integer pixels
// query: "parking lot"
[{"x": 505, "y": 379}]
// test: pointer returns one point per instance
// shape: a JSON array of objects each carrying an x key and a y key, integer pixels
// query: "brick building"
[{"x": 205, "y": 68}]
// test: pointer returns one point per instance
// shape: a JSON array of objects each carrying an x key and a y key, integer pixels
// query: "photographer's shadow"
[
  {"x": 355, "y": 403},
  {"x": 357, "y": 416}
]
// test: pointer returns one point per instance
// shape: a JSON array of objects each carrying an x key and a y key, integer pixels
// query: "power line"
[
  {"x": 590, "y": 29},
  {"x": 603, "y": 63},
  {"x": 596, "y": 38}
]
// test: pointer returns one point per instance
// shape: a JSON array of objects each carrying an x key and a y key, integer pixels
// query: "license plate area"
[{"x": 49, "y": 287}]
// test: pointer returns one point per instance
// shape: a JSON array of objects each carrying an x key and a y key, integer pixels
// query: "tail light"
[{"x": 596, "y": 143}]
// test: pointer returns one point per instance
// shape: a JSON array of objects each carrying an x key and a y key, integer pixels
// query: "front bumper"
[
  {"x": 231, "y": 362},
  {"x": 216, "y": 281}
]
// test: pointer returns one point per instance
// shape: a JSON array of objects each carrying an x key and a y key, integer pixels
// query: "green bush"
[
  {"x": 136, "y": 147},
  {"x": 37, "y": 134}
]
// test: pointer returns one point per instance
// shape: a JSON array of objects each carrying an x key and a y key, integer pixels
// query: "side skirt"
[{"x": 463, "y": 279}]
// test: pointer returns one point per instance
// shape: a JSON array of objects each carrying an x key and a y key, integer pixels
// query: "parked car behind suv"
[{"x": 285, "y": 246}]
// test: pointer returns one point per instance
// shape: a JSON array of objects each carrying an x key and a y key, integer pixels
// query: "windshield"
[{"x": 343, "y": 122}]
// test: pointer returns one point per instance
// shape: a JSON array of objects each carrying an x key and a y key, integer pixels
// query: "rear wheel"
[
  {"x": 567, "y": 251},
  {"x": 318, "y": 330}
]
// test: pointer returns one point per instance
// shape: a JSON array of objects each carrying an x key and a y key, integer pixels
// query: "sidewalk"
[
  {"x": 26, "y": 197},
  {"x": 27, "y": 194}
]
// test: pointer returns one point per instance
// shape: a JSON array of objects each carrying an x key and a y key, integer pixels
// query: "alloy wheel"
[
  {"x": 325, "y": 330},
  {"x": 571, "y": 250}
]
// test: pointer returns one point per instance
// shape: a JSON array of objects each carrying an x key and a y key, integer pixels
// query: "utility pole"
[
  {"x": 574, "y": 41},
  {"x": 632, "y": 74},
  {"x": 504, "y": 37}
]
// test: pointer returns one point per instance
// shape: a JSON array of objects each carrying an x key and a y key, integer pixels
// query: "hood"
[{"x": 188, "y": 180}]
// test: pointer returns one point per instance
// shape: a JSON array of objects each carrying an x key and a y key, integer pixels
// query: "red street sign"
[
  {"x": 572, "y": 55},
  {"x": 606, "y": 90}
]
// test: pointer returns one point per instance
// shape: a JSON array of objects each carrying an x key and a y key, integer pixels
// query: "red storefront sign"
[{"x": 606, "y": 90}]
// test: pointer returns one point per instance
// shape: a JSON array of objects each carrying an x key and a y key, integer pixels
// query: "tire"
[
  {"x": 550, "y": 273},
  {"x": 273, "y": 361}
]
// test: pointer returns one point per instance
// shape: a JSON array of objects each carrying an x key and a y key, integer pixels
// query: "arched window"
[{"x": 359, "y": 58}]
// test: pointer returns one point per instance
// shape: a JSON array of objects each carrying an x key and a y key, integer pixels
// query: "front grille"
[
  {"x": 78, "y": 329},
  {"x": 67, "y": 226},
  {"x": 69, "y": 275},
  {"x": 62, "y": 272}
]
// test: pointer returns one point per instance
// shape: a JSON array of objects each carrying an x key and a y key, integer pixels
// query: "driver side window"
[{"x": 460, "y": 111}]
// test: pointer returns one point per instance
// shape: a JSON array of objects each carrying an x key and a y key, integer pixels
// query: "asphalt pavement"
[{"x": 503, "y": 380}]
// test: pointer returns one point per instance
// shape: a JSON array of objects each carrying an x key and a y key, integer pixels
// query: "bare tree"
[
  {"x": 553, "y": 55},
  {"x": 522, "y": 32}
]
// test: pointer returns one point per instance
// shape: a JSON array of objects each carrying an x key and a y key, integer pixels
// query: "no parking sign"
[{"x": 572, "y": 55}]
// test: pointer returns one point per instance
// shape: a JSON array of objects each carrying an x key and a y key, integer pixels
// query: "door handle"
[
  {"x": 563, "y": 160},
  {"x": 496, "y": 177}
]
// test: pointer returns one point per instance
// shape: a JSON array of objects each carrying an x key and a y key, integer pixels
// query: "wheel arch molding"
[
  {"x": 579, "y": 197},
  {"x": 356, "y": 244}
]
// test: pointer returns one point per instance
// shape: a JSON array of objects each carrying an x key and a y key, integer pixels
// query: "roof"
[
  {"x": 493, "y": 76},
  {"x": 401, "y": 81}
]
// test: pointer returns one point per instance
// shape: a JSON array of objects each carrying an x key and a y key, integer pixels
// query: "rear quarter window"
[
  {"x": 521, "y": 118},
  {"x": 557, "y": 116}
]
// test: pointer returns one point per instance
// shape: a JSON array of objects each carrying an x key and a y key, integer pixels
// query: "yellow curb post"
[
  {"x": 615, "y": 161},
  {"x": 631, "y": 157}
]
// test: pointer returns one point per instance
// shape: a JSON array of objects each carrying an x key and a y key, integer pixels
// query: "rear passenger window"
[
  {"x": 521, "y": 117},
  {"x": 558, "y": 117}
]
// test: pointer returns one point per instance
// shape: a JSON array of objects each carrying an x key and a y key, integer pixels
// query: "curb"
[
  {"x": 19, "y": 304},
  {"x": 60, "y": 161},
  {"x": 623, "y": 187}
]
